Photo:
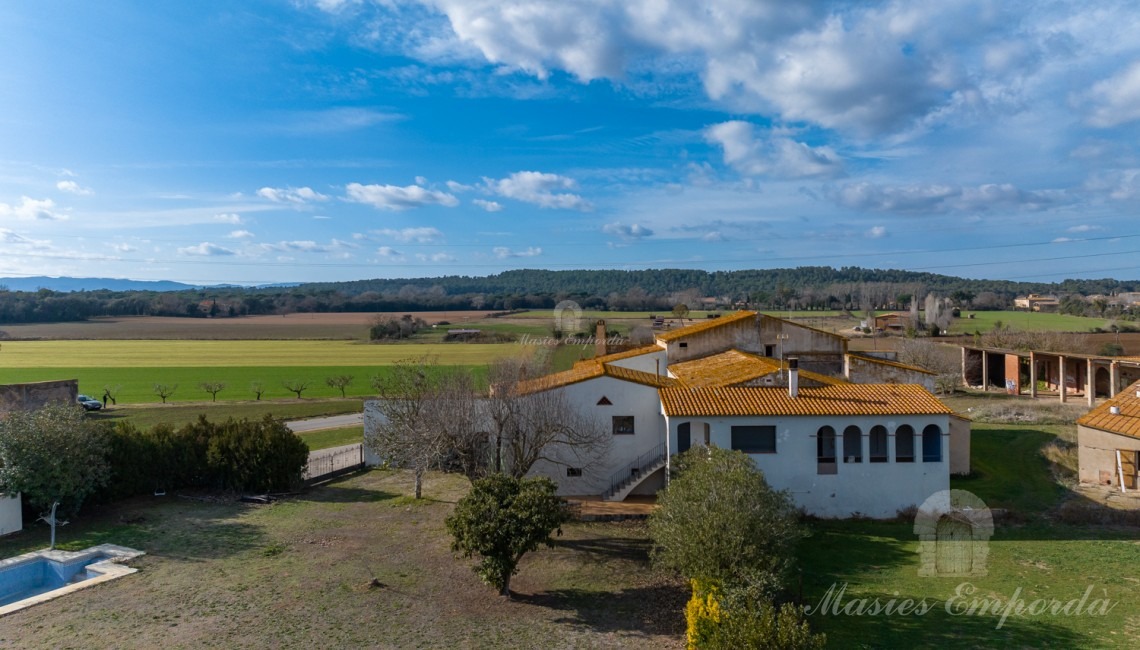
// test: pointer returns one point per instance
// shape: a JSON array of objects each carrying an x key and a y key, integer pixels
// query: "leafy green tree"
[
  {"x": 501, "y": 519},
  {"x": 761, "y": 625},
  {"x": 681, "y": 310},
  {"x": 54, "y": 456},
  {"x": 720, "y": 522}
]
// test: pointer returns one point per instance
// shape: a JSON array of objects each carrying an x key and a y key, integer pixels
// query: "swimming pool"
[{"x": 37, "y": 577}]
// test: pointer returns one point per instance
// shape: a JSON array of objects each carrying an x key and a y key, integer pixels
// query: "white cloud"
[
  {"x": 877, "y": 232},
  {"x": 393, "y": 197},
  {"x": 457, "y": 187},
  {"x": 774, "y": 156},
  {"x": 1085, "y": 227},
  {"x": 489, "y": 206},
  {"x": 228, "y": 217},
  {"x": 295, "y": 195},
  {"x": 206, "y": 249},
  {"x": 539, "y": 188},
  {"x": 31, "y": 209},
  {"x": 502, "y": 252},
  {"x": 419, "y": 235},
  {"x": 435, "y": 257},
  {"x": 935, "y": 198},
  {"x": 123, "y": 248},
  {"x": 1115, "y": 100},
  {"x": 632, "y": 231},
  {"x": 308, "y": 246},
  {"x": 329, "y": 121},
  {"x": 71, "y": 187},
  {"x": 388, "y": 252},
  {"x": 240, "y": 234}
]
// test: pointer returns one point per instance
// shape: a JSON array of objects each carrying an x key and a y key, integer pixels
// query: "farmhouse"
[
  {"x": 1037, "y": 302},
  {"x": 844, "y": 433},
  {"x": 1108, "y": 442}
]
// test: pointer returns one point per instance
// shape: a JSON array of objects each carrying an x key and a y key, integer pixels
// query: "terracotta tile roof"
[
  {"x": 806, "y": 327},
  {"x": 724, "y": 369},
  {"x": 584, "y": 372},
  {"x": 1126, "y": 423},
  {"x": 626, "y": 354},
  {"x": 826, "y": 380},
  {"x": 849, "y": 399},
  {"x": 893, "y": 364},
  {"x": 705, "y": 325}
]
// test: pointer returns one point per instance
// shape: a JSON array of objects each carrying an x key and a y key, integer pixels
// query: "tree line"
[{"x": 807, "y": 287}]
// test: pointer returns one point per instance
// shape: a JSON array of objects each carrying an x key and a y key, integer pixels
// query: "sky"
[{"x": 314, "y": 140}]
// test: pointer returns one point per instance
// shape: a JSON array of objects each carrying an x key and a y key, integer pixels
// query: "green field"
[
  {"x": 137, "y": 384},
  {"x": 984, "y": 321},
  {"x": 325, "y": 438},
  {"x": 176, "y": 415},
  {"x": 168, "y": 354}
]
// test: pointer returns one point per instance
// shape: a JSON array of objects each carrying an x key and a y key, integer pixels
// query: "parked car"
[{"x": 88, "y": 403}]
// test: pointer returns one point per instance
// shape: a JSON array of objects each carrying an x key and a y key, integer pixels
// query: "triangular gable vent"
[{"x": 605, "y": 401}]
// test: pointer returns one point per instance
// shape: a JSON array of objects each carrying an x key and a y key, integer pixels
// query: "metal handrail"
[{"x": 619, "y": 478}]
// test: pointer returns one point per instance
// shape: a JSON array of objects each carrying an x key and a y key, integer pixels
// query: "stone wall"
[{"x": 27, "y": 397}]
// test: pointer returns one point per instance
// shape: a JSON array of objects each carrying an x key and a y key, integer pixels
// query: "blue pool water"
[{"x": 40, "y": 575}]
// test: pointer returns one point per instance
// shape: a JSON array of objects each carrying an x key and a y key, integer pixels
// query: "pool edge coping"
[{"x": 109, "y": 569}]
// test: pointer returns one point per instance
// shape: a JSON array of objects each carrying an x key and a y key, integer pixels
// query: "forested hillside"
[{"x": 815, "y": 287}]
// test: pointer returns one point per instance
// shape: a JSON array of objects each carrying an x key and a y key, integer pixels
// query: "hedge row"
[{"x": 241, "y": 455}]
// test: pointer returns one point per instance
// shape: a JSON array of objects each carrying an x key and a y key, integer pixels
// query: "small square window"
[
  {"x": 754, "y": 439},
  {"x": 574, "y": 472},
  {"x": 623, "y": 425},
  {"x": 683, "y": 344}
]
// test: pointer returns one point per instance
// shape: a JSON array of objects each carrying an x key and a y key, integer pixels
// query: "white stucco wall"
[
  {"x": 628, "y": 398},
  {"x": 11, "y": 517},
  {"x": 873, "y": 489},
  {"x": 651, "y": 362}
]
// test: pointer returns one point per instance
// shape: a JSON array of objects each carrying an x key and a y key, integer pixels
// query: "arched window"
[
  {"x": 825, "y": 451},
  {"x": 932, "y": 444},
  {"x": 852, "y": 445},
  {"x": 878, "y": 440},
  {"x": 904, "y": 444}
]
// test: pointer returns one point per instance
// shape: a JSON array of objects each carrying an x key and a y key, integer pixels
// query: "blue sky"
[{"x": 273, "y": 141}]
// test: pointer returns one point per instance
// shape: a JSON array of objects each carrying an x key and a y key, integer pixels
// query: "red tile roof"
[
  {"x": 1125, "y": 423},
  {"x": 709, "y": 324},
  {"x": 847, "y": 399}
]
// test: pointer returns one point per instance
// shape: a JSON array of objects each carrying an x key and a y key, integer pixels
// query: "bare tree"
[
  {"x": 165, "y": 390},
  {"x": 111, "y": 391},
  {"x": 213, "y": 388},
  {"x": 257, "y": 388},
  {"x": 297, "y": 386},
  {"x": 456, "y": 413},
  {"x": 408, "y": 433},
  {"x": 340, "y": 382},
  {"x": 532, "y": 425},
  {"x": 943, "y": 360}
]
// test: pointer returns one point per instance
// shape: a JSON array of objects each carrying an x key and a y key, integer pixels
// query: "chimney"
[
  {"x": 793, "y": 376},
  {"x": 1115, "y": 410},
  {"x": 600, "y": 339}
]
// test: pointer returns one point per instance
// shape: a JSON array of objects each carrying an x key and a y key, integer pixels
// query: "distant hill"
[{"x": 91, "y": 284}]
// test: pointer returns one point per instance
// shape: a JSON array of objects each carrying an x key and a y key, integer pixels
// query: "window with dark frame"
[
  {"x": 852, "y": 445},
  {"x": 825, "y": 451},
  {"x": 754, "y": 439},
  {"x": 932, "y": 444},
  {"x": 623, "y": 425},
  {"x": 683, "y": 344},
  {"x": 878, "y": 440},
  {"x": 904, "y": 444},
  {"x": 573, "y": 472}
]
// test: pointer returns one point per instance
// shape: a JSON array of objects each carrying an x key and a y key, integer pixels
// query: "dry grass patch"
[{"x": 352, "y": 564}]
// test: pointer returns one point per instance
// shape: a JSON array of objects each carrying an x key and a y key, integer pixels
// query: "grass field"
[
  {"x": 355, "y": 564},
  {"x": 325, "y": 438},
  {"x": 177, "y": 415},
  {"x": 984, "y": 321}
]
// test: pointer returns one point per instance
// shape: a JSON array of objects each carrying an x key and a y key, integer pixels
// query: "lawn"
[
  {"x": 1027, "y": 553},
  {"x": 325, "y": 438},
  {"x": 177, "y": 415},
  {"x": 353, "y": 564}
]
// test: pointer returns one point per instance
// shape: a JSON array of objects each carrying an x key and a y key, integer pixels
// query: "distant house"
[
  {"x": 892, "y": 322},
  {"x": 1037, "y": 302},
  {"x": 1108, "y": 442}
]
